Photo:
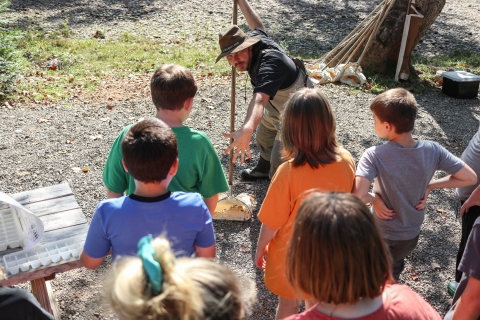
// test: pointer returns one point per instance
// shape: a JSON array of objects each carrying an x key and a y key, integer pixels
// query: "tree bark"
[{"x": 382, "y": 54}]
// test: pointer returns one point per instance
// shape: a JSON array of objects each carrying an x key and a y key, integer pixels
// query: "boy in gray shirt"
[{"x": 401, "y": 170}]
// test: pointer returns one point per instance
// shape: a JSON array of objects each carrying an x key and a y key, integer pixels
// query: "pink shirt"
[{"x": 400, "y": 303}]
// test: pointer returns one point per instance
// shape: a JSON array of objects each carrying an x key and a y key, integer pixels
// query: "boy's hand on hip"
[
  {"x": 471, "y": 202},
  {"x": 422, "y": 203},
  {"x": 381, "y": 210}
]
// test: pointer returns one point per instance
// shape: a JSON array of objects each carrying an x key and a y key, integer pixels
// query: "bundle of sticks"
[{"x": 342, "y": 63}]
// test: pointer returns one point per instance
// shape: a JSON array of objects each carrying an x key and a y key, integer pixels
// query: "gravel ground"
[{"x": 40, "y": 144}]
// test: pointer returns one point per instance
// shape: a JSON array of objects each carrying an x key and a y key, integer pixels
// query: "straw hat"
[{"x": 234, "y": 40}]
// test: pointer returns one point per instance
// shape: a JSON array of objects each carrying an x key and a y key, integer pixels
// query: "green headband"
[{"x": 150, "y": 265}]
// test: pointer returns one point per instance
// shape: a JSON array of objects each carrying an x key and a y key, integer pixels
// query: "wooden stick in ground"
[{"x": 232, "y": 109}]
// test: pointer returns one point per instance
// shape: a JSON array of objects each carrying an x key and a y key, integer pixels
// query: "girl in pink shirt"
[{"x": 338, "y": 257}]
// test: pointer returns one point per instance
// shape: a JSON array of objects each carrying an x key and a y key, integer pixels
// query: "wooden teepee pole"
[{"x": 232, "y": 109}]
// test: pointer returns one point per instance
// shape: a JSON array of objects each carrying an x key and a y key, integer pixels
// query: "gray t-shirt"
[
  {"x": 401, "y": 178},
  {"x": 469, "y": 265},
  {"x": 471, "y": 156}
]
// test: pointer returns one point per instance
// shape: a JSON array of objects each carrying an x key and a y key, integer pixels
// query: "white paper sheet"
[{"x": 31, "y": 225}]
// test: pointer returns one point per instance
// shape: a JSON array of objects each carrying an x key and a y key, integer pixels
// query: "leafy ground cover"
[{"x": 53, "y": 65}]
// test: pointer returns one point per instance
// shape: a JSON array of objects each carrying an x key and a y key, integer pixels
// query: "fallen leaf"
[
  {"x": 53, "y": 67},
  {"x": 85, "y": 169},
  {"x": 109, "y": 107},
  {"x": 414, "y": 277},
  {"x": 69, "y": 141},
  {"x": 244, "y": 249},
  {"x": 97, "y": 137},
  {"x": 443, "y": 218},
  {"x": 435, "y": 266},
  {"x": 41, "y": 120},
  {"x": 448, "y": 143},
  {"x": 441, "y": 211}
]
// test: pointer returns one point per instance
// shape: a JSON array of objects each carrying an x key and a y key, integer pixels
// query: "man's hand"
[
  {"x": 242, "y": 137},
  {"x": 381, "y": 210},
  {"x": 240, "y": 144}
]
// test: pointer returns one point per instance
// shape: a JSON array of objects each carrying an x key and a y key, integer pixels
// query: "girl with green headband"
[{"x": 155, "y": 285}]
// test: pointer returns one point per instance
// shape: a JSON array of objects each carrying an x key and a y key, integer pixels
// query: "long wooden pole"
[{"x": 232, "y": 109}]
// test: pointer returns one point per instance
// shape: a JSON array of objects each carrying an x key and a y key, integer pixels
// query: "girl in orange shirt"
[{"x": 315, "y": 161}]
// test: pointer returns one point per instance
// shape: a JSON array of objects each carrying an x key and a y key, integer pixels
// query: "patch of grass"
[
  {"x": 84, "y": 62},
  {"x": 458, "y": 61},
  {"x": 9, "y": 68},
  {"x": 425, "y": 69}
]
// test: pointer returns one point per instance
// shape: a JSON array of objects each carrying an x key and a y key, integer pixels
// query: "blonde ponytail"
[{"x": 192, "y": 289}]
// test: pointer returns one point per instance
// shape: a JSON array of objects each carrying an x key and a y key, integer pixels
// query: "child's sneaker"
[{"x": 452, "y": 287}]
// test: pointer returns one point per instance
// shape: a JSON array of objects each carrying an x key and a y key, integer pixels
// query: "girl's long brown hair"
[
  {"x": 308, "y": 129},
  {"x": 336, "y": 254}
]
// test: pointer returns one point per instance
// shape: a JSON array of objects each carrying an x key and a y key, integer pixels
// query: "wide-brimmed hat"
[{"x": 234, "y": 40}]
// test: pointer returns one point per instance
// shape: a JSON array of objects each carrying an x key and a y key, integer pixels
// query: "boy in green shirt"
[{"x": 173, "y": 89}]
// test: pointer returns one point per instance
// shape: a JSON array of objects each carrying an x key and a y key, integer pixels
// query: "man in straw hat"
[{"x": 274, "y": 76}]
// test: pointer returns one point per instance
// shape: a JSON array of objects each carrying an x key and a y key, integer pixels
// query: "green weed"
[{"x": 82, "y": 59}]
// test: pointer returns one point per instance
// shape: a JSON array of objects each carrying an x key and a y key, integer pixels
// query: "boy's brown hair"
[
  {"x": 308, "y": 129},
  {"x": 149, "y": 150},
  {"x": 171, "y": 85},
  {"x": 336, "y": 254},
  {"x": 397, "y": 107}
]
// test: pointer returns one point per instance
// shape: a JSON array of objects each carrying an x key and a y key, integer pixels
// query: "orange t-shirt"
[{"x": 281, "y": 204}]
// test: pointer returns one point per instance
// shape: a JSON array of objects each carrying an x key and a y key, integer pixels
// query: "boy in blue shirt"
[
  {"x": 150, "y": 153},
  {"x": 401, "y": 170},
  {"x": 173, "y": 88}
]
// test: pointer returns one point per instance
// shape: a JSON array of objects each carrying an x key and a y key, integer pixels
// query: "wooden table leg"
[{"x": 45, "y": 296}]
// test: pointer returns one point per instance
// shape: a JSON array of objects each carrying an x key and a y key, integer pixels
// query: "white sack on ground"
[{"x": 344, "y": 73}]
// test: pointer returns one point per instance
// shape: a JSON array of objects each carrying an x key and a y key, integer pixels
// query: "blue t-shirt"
[{"x": 119, "y": 223}]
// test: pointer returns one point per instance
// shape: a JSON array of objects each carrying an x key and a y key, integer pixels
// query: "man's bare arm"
[
  {"x": 253, "y": 19},
  {"x": 242, "y": 137}
]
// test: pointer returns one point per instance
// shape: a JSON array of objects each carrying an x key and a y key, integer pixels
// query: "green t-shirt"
[{"x": 199, "y": 169}]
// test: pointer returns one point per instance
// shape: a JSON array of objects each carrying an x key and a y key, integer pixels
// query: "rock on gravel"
[{"x": 42, "y": 145}]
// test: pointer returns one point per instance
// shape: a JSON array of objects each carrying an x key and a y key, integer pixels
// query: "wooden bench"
[{"x": 62, "y": 218}]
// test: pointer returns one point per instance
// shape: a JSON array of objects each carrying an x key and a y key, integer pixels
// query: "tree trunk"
[{"x": 382, "y": 54}]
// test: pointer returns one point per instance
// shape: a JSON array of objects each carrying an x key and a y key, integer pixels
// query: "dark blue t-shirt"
[{"x": 276, "y": 70}]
